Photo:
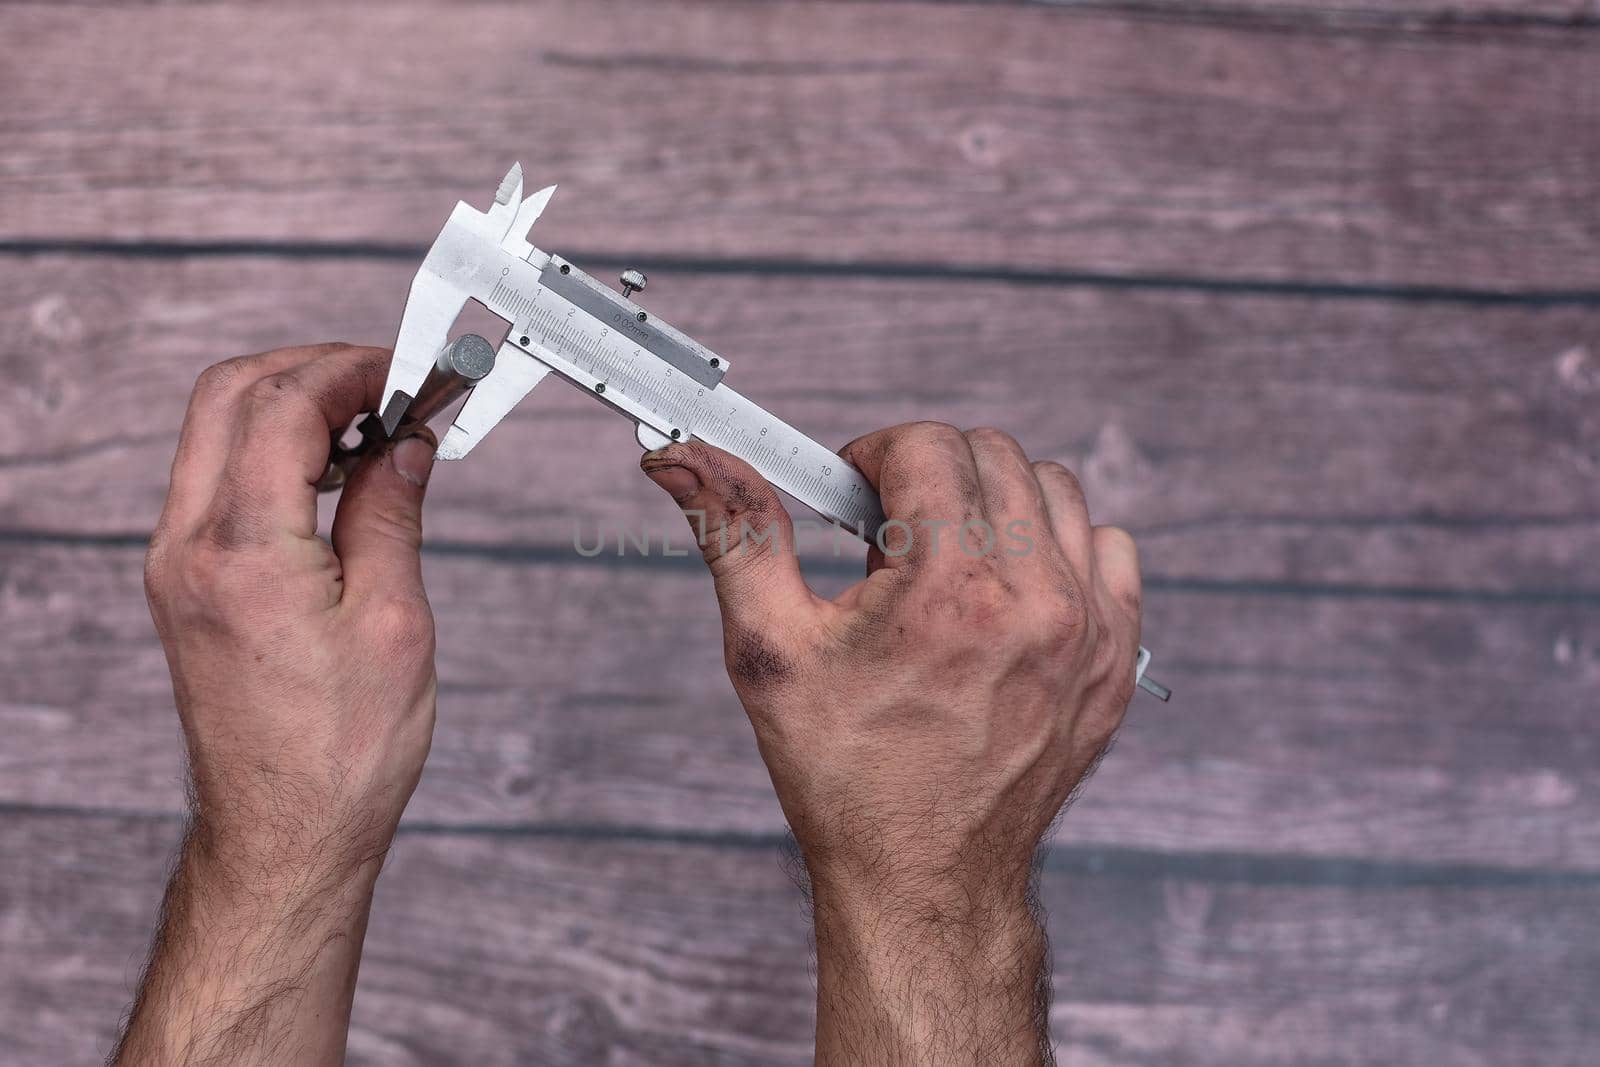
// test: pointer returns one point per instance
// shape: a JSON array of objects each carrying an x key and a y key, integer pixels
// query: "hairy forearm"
[
  {"x": 914, "y": 982},
  {"x": 254, "y": 962}
]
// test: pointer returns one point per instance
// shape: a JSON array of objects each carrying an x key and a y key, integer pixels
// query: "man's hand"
[
  {"x": 305, "y": 682},
  {"x": 923, "y": 729}
]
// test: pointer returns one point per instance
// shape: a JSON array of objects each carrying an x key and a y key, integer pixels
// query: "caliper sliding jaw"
[{"x": 440, "y": 291}]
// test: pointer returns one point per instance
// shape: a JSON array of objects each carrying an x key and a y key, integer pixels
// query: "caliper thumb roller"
[{"x": 566, "y": 323}]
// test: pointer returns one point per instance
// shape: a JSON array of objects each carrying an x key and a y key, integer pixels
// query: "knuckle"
[
  {"x": 1059, "y": 617},
  {"x": 402, "y": 626},
  {"x": 973, "y": 608},
  {"x": 364, "y": 361},
  {"x": 991, "y": 437},
  {"x": 940, "y": 434},
  {"x": 1058, "y": 472},
  {"x": 1057, "y": 479},
  {"x": 1064, "y": 626},
  {"x": 858, "y": 449},
  {"x": 157, "y": 571},
  {"x": 1110, "y": 661},
  {"x": 930, "y": 456},
  {"x": 373, "y": 358},
  {"x": 217, "y": 379},
  {"x": 728, "y": 549},
  {"x": 920, "y": 438},
  {"x": 737, "y": 549},
  {"x": 985, "y": 604},
  {"x": 1121, "y": 684},
  {"x": 905, "y": 445},
  {"x": 277, "y": 390}
]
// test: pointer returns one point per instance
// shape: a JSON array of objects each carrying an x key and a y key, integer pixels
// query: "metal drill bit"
[{"x": 462, "y": 364}]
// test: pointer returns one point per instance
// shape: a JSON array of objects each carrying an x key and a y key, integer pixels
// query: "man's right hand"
[{"x": 924, "y": 728}]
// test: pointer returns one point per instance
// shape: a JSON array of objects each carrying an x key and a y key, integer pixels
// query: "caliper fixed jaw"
[
  {"x": 437, "y": 296},
  {"x": 431, "y": 309}
]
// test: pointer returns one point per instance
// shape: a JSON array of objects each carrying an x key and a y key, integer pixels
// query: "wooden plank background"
[{"x": 1308, "y": 291}]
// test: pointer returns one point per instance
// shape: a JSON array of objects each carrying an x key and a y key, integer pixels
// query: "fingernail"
[
  {"x": 679, "y": 481},
  {"x": 413, "y": 458}
]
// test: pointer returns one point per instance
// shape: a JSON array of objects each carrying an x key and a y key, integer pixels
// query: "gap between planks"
[
  {"x": 854, "y": 269},
  {"x": 1351, "y": 16},
  {"x": 1211, "y": 867},
  {"x": 532, "y": 555},
  {"x": 1424, "y": 16}
]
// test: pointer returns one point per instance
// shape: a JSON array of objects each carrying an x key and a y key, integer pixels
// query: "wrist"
[
  {"x": 247, "y": 959},
  {"x": 899, "y": 892},
  {"x": 257, "y": 843},
  {"x": 919, "y": 977},
  {"x": 895, "y": 927},
  {"x": 262, "y": 869}
]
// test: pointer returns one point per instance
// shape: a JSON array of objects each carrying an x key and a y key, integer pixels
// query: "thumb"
[
  {"x": 377, "y": 529},
  {"x": 743, "y": 530}
]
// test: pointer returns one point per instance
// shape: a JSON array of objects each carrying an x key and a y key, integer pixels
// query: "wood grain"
[
  {"x": 494, "y": 951},
  {"x": 1309, "y": 15},
  {"x": 594, "y": 696},
  {"x": 1243, "y": 438},
  {"x": 1011, "y": 137},
  {"x": 1306, "y": 290}
]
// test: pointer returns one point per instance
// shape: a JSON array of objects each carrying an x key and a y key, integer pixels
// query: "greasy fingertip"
[
  {"x": 692, "y": 471},
  {"x": 414, "y": 454},
  {"x": 681, "y": 483},
  {"x": 677, "y": 454}
]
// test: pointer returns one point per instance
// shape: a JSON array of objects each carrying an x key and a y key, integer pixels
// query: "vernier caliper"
[{"x": 564, "y": 321}]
